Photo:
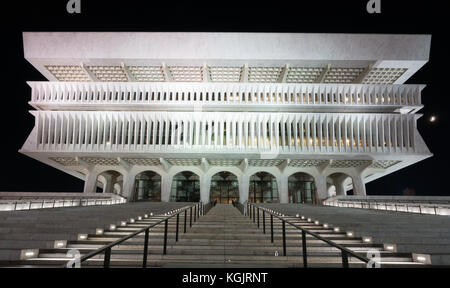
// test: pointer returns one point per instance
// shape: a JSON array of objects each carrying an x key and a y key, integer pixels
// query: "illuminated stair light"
[
  {"x": 82, "y": 237},
  {"x": 28, "y": 254},
  {"x": 350, "y": 234},
  {"x": 390, "y": 247},
  {"x": 99, "y": 231},
  {"x": 421, "y": 258},
  {"x": 367, "y": 239},
  {"x": 336, "y": 229},
  {"x": 60, "y": 244},
  {"x": 112, "y": 227}
]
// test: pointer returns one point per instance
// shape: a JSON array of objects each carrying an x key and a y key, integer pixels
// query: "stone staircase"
[
  {"x": 39, "y": 228},
  {"x": 221, "y": 238},
  {"x": 424, "y": 234}
]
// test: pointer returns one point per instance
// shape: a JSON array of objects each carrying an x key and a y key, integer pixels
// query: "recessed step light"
[
  {"x": 82, "y": 237},
  {"x": 60, "y": 244}
]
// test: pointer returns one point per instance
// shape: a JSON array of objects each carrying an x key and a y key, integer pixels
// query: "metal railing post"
[
  {"x": 257, "y": 211},
  {"x": 176, "y": 233},
  {"x": 190, "y": 217},
  {"x": 305, "y": 257},
  {"x": 195, "y": 213},
  {"x": 107, "y": 258},
  {"x": 185, "y": 218},
  {"x": 271, "y": 228},
  {"x": 165, "y": 237},
  {"x": 284, "y": 237},
  {"x": 344, "y": 259},
  {"x": 253, "y": 214},
  {"x": 144, "y": 261},
  {"x": 264, "y": 222}
]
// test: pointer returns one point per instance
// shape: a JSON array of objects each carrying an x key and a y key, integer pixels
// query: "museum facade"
[{"x": 258, "y": 117}]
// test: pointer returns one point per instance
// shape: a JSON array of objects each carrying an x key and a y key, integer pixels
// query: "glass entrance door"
[{"x": 224, "y": 188}]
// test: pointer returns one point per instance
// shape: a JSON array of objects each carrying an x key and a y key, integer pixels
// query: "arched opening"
[
  {"x": 107, "y": 182},
  {"x": 263, "y": 188},
  {"x": 224, "y": 187},
  {"x": 185, "y": 187},
  {"x": 147, "y": 186},
  {"x": 301, "y": 188},
  {"x": 342, "y": 182}
]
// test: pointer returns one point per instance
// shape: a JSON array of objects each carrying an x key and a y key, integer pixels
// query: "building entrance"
[{"x": 224, "y": 188}]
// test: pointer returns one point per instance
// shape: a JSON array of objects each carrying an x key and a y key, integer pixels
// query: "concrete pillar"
[
  {"x": 320, "y": 182},
  {"x": 244, "y": 184},
  {"x": 205, "y": 184},
  {"x": 359, "y": 187},
  {"x": 340, "y": 187},
  {"x": 166, "y": 188},
  {"x": 120, "y": 183},
  {"x": 128, "y": 186},
  {"x": 90, "y": 183},
  {"x": 109, "y": 185},
  {"x": 282, "y": 183}
]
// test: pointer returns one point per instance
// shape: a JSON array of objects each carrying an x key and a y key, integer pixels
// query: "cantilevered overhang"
[{"x": 226, "y": 57}]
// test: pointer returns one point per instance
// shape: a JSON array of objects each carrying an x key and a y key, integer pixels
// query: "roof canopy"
[{"x": 226, "y": 57}]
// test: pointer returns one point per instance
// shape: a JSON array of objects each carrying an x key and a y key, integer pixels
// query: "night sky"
[{"x": 21, "y": 173}]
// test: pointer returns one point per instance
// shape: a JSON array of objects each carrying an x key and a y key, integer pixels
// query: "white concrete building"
[{"x": 263, "y": 117}]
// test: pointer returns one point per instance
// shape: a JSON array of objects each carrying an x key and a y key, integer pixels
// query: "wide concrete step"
[
  {"x": 188, "y": 260},
  {"x": 221, "y": 238}
]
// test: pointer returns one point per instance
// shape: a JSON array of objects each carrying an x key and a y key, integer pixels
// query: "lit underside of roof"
[{"x": 226, "y": 57}]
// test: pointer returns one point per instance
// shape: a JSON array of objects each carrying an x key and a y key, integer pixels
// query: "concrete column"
[
  {"x": 340, "y": 187},
  {"x": 320, "y": 182},
  {"x": 121, "y": 187},
  {"x": 205, "y": 184},
  {"x": 109, "y": 185},
  {"x": 90, "y": 183},
  {"x": 166, "y": 186},
  {"x": 244, "y": 183},
  {"x": 282, "y": 183},
  {"x": 128, "y": 186},
  {"x": 359, "y": 187}
]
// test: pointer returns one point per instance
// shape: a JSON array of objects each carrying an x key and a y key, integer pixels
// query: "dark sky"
[{"x": 21, "y": 173}]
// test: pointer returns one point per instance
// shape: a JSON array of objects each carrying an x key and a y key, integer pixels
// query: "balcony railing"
[
  {"x": 15, "y": 205},
  {"x": 123, "y": 96},
  {"x": 221, "y": 131},
  {"x": 420, "y": 208}
]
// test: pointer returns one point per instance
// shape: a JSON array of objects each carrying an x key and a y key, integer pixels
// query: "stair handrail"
[
  {"x": 208, "y": 206},
  {"x": 344, "y": 251},
  {"x": 106, "y": 249}
]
